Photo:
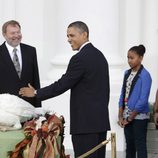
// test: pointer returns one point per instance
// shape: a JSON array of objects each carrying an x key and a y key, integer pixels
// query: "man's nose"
[{"x": 69, "y": 40}]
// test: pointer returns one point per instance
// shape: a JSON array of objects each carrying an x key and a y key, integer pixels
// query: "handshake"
[{"x": 27, "y": 91}]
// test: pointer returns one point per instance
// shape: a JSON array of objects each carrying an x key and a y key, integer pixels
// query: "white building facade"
[{"x": 115, "y": 26}]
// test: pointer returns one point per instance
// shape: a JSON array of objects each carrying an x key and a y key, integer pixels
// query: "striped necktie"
[{"x": 16, "y": 62}]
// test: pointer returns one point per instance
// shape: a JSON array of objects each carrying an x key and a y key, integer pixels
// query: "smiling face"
[
  {"x": 13, "y": 35},
  {"x": 76, "y": 37},
  {"x": 134, "y": 60}
]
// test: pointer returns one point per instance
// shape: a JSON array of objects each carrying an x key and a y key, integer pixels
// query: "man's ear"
[
  {"x": 85, "y": 35},
  {"x": 3, "y": 34}
]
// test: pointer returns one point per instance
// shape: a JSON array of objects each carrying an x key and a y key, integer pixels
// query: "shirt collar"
[
  {"x": 83, "y": 45},
  {"x": 10, "y": 48}
]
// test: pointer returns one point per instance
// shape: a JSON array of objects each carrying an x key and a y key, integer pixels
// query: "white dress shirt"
[{"x": 10, "y": 49}]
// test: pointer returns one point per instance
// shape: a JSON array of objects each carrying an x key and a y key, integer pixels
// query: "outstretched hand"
[{"x": 27, "y": 91}]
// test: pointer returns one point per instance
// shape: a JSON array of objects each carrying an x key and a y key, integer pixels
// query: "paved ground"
[
  {"x": 152, "y": 144},
  {"x": 153, "y": 156},
  {"x": 119, "y": 154}
]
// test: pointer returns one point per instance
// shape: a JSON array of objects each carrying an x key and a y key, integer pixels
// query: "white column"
[
  {"x": 7, "y": 12},
  {"x": 150, "y": 36},
  {"x": 30, "y": 14},
  {"x": 131, "y": 24},
  {"x": 101, "y": 17},
  {"x": 139, "y": 25}
]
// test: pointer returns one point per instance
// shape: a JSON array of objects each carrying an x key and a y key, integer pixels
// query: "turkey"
[{"x": 13, "y": 111}]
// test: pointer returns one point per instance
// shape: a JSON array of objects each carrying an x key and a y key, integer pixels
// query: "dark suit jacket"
[
  {"x": 87, "y": 76},
  {"x": 9, "y": 80}
]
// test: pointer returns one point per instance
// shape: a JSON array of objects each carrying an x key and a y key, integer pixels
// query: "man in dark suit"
[
  {"x": 87, "y": 76},
  {"x": 10, "y": 81}
]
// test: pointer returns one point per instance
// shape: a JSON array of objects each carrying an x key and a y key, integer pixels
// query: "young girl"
[{"x": 133, "y": 104}]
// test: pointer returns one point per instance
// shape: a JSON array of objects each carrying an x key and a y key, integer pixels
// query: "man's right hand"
[{"x": 27, "y": 91}]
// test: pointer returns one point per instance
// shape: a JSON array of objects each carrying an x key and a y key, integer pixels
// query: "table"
[{"x": 8, "y": 140}]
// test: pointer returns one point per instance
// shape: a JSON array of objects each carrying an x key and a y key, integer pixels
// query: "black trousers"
[
  {"x": 85, "y": 142},
  {"x": 135, "y": 134}
]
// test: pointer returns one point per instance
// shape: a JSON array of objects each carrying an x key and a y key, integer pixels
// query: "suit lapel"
[
  {"x": 133, "y": 82},
  {"x": 24, "y": 59},
  {"x": 6, "y": 58},
  {"x": 8, "y": 64}
]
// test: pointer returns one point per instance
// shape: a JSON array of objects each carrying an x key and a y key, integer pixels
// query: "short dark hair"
[
  {"x": 81, "y": 26},
  {"x": 140, "y": 50},
  {"x": 11, "y": 22}
]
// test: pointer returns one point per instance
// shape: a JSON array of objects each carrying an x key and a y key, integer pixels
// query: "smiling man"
[
  {"x": 18, "y": 62},
  {"x": 87, "y": 76}
]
